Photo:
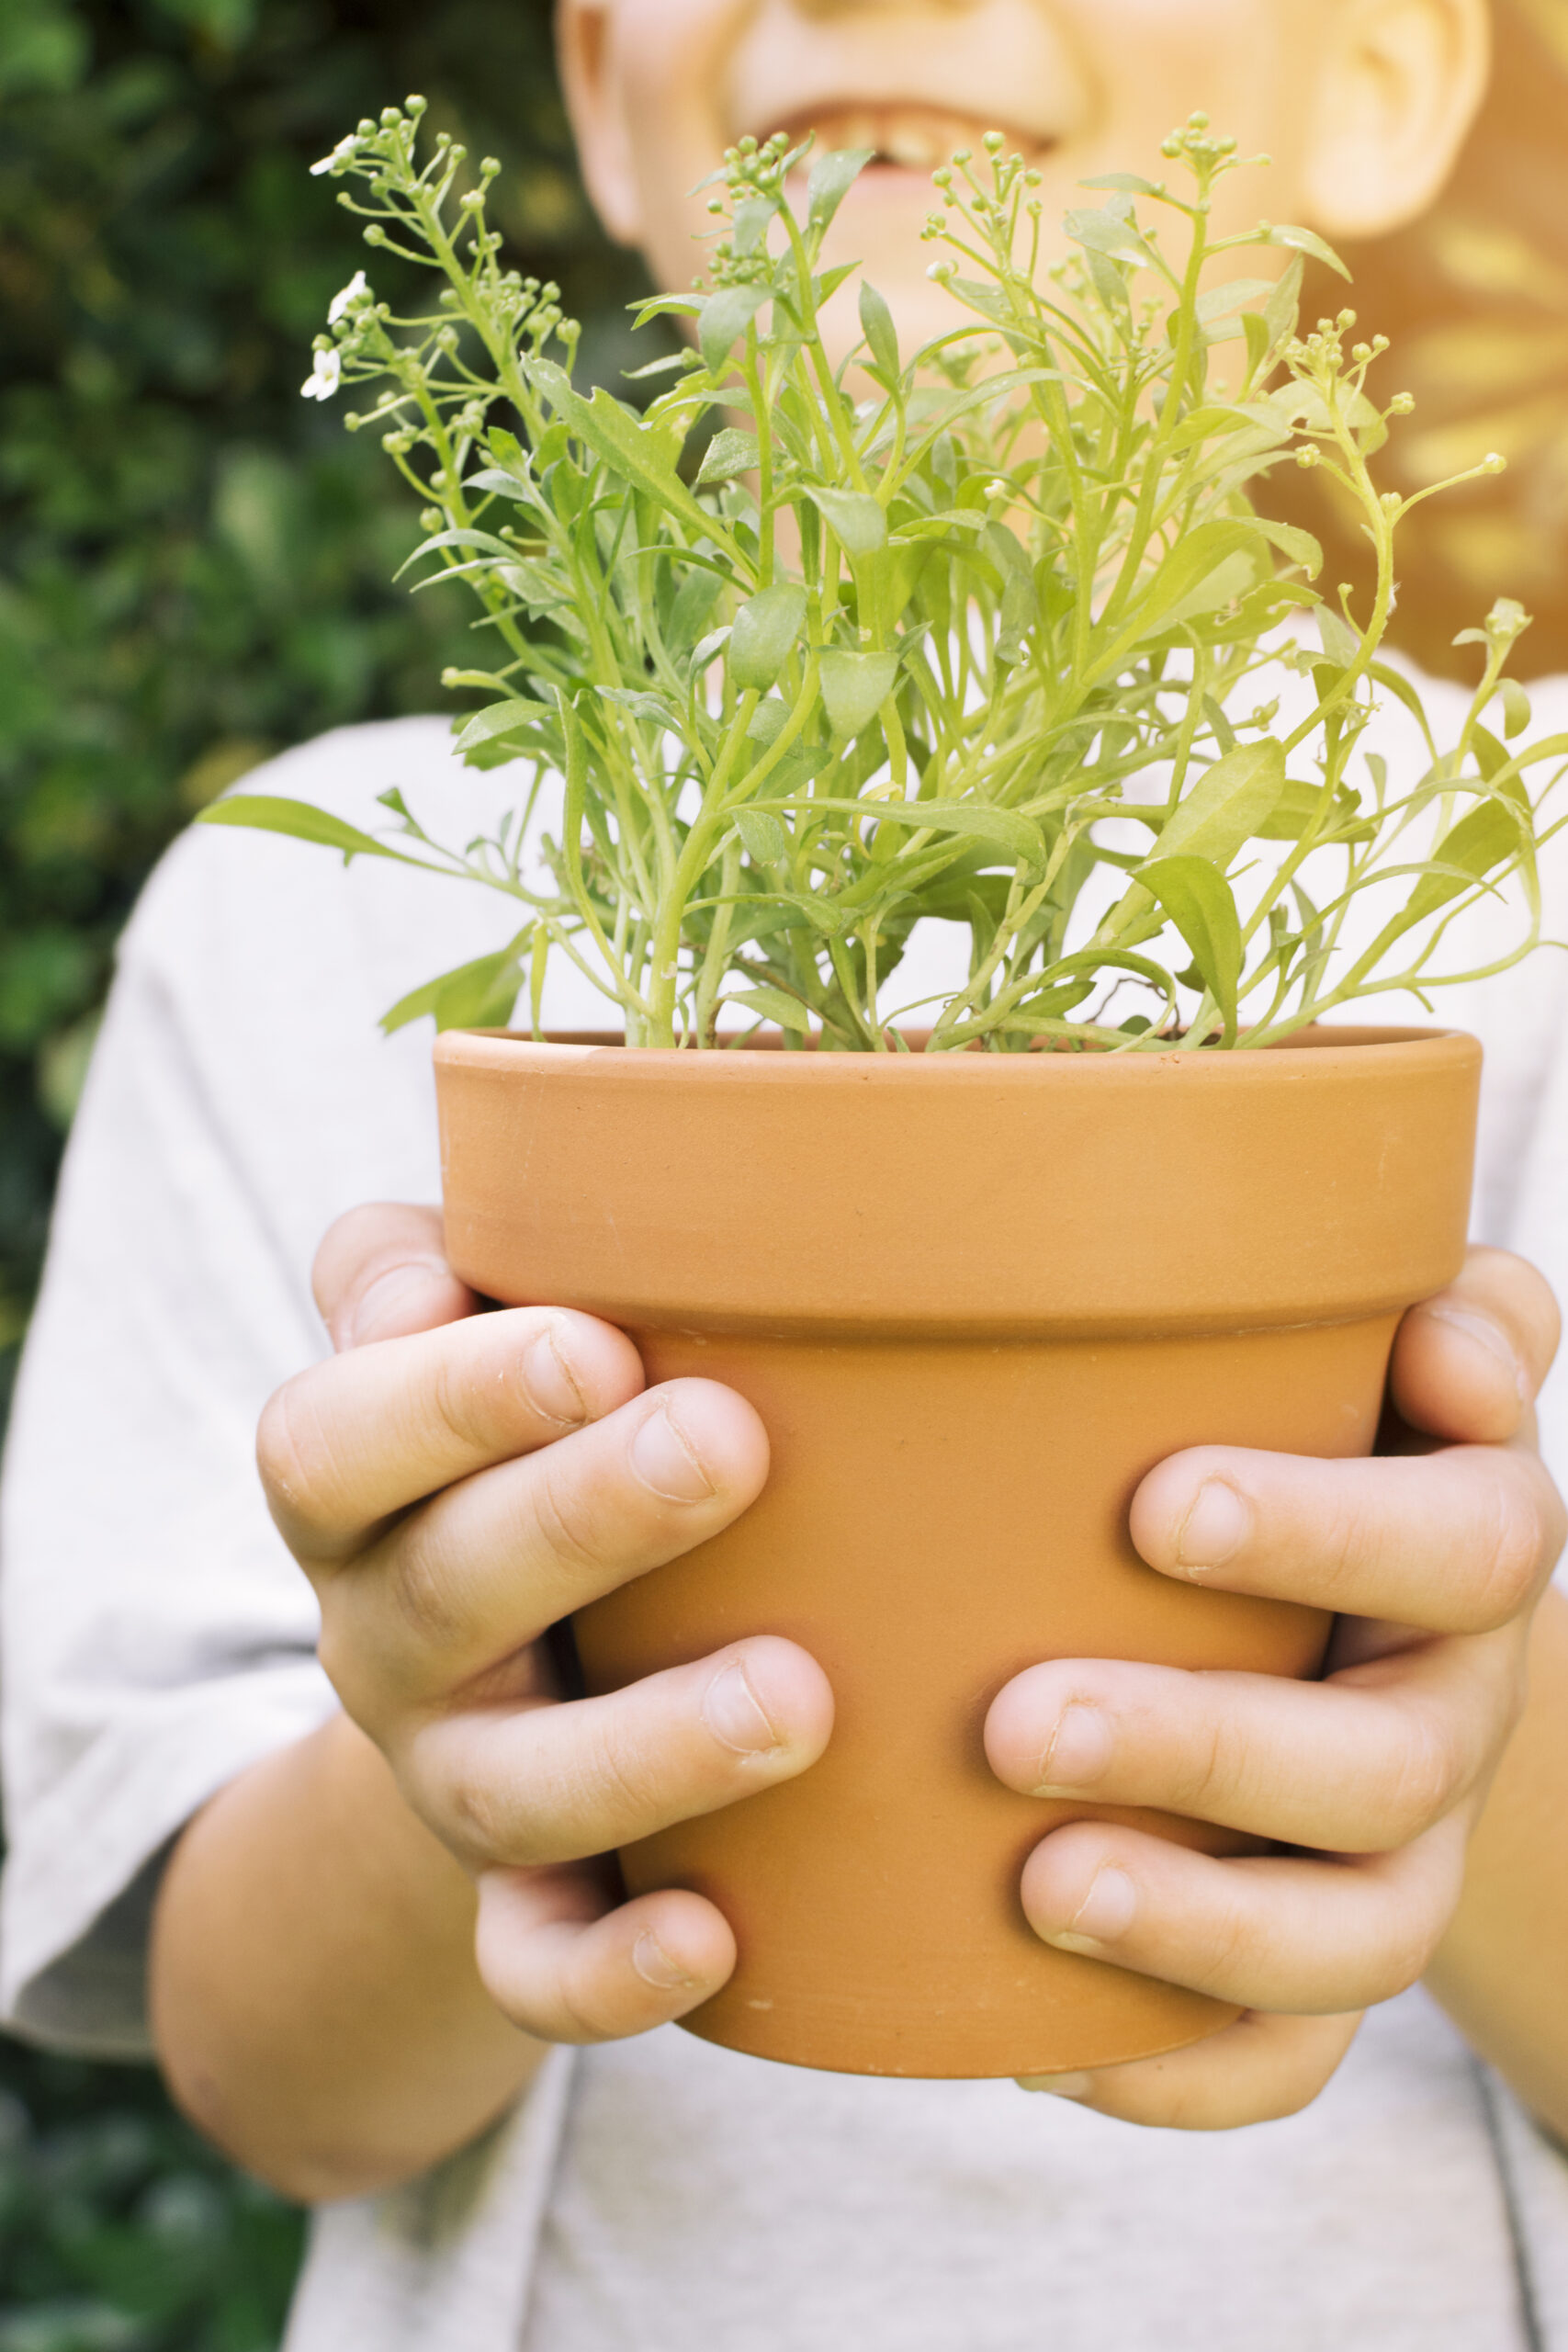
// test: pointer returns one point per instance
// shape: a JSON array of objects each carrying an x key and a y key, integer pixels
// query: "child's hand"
[
  {"x": 1372, "y": 1779},
  {"x": 453, "y": 1483}
]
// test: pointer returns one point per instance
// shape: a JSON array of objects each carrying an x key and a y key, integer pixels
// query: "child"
[{"x": 370, "y": 1881}]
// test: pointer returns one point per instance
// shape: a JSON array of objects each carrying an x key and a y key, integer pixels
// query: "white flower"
[
  {"x": 324, "y": 377},
  {"x": 339, "y": 155},
  {"x": 355, "y": 291}
]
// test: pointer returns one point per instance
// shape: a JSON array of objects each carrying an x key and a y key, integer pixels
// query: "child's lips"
[{"x": 903, "y": 137}]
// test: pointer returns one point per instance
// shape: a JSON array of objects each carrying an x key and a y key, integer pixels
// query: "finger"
[
  {"x": 565, "y": 1968},
  {"x": 489, "y": 1563},
  {"x": 1468, "y": 1364},
  {"x": 1458, "y": 1541},
  {"x": 1252, "y": 2072},
  {"x": 344, "y": 1445},
  {"x": 551, "y": 1784},
  {"x": 1307, "y": 1936},
  {"x": 381, "y": 1272},
  {"x": 1356, "y": 1765}
]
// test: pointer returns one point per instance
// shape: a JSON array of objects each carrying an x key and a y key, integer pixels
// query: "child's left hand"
[{"x": 1371, "y": 1780}]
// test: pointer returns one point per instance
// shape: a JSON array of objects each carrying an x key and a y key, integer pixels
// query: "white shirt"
[{"x": 658, "y": 2194}]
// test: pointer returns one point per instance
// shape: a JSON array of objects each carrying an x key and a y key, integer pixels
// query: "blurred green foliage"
[
  {"x": 194, "y": 569},
  {"x": 194, "y": 562},
  {"x": 120, "y": 2232}
]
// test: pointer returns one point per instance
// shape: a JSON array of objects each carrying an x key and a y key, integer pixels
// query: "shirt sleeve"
[{"x": 157, "y": 1636}]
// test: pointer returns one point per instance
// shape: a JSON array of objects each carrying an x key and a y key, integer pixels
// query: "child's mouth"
[{"x": 902, "y": 137}]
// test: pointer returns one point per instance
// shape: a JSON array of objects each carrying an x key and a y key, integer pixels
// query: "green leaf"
[
  {"x": 1306, "y": 241},
  {"x": 1223, "y": 311},
  {"x": 764, "y": 635},
  {"x": 826, "y": 286},
  {"x": 264, "y": 814},
  {"x": 1103, "y": 232},
  {"x": 729, "y": 453},
  {"x": 1339, "y": 639},
  {"x": 1002, "y": 546},
  {"x": 480, "y": 995},
  {"x": 1280, "y": 310},
  {"x": 1224, "y": 733},
  {"x": 486, "y": 541},
  {"x": 1255, "y": 334},
  {"x": 725, "y": 318},
  {"x": 832, "y": 176},
  {"x": 1198, "y": 901},
  {"x": 773, "y": 1004},
  {"x": 975, "y": 820},
  {"x": 824, "y": 920},
  {"x": 1202, "y": 572},
  {"x": 694, "y": 600},
  {"x": 1227, "y": 806},
  {"x": 854, "y": 687},
  {"x": 881, "y": 335},
  {"x": 498, "y": 718},
  {"x": 1402, "y": 692},
  {"x": 496, "y": 484},
  {"x": 858, "y": 521},
  {"x": 768, "y": 721},
  {"x": 1482, "y": 841},
  {"x": 635, "y": 452},
  {"x": 1019, "y": 614},
  {"x": 1516, "y": 707},
  {"x": 749, "y": 223},
  {"x": 1207, "y": 423},
  {"x": 763, "y": 837},
  {"x": 1298, "y": 545},
  {"x": 1301, "y": 804}
]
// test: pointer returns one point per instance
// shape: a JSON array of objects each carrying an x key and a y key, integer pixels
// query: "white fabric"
[{"x": 158, "y": 1639}]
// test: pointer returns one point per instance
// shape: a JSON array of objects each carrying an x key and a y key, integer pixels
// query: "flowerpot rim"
[
  {"x": 1334, "y": 1049},
  {"x": 995, "y": 1196}
]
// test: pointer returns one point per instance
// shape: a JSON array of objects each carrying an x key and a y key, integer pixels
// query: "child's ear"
[
  {"x": 594, "y": 100},
  {"x": 1401, "y": 81}
]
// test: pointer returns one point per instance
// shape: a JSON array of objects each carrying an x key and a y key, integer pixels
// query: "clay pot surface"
[{"x": 975, "y": 1298}]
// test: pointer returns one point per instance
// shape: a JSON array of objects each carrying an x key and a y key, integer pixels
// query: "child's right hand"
[{"x": 453, "y": 1483}]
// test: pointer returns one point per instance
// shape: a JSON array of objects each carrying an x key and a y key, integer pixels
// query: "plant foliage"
[{"x": 924, "y": 628}]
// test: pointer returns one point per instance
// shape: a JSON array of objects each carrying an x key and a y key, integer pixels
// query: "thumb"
[
  {"x": 1467, "y": 1365},
  {"x": 381, "y": 1273}
]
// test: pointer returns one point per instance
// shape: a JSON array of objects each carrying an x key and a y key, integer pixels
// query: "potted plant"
[{"x": 988, "y": 633}]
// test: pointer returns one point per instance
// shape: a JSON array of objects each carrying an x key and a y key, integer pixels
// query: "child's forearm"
[
  {"x": 1502, "y": 1970},
  {"x": 315, "y": 2000}
]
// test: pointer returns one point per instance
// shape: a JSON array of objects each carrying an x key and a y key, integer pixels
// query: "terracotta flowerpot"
[{"x": 974, "y": 1298}]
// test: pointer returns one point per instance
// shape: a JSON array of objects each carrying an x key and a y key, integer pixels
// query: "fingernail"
[
  {"x": 1217, "y": 1525},
  {"x": 375, "y": 1305},
  {"x": 1080, "y": 1751},
  {"x": 550, "y": 1381},
  {"x": 654, "y": 1965},
  {"x": 1104, "y": 1914},
  {"x": 733, "y": 1713},
  {"x": 1064, "y": 2085},
  {"x": 665, "y": 1461},
  {"x": 1490, "y": 1336}
]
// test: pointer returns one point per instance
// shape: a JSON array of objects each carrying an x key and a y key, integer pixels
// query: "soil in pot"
[{"x": 975, "y": 1298}]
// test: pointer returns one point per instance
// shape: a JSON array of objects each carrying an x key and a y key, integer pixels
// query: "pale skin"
[{"x": 365, "y": 1944}]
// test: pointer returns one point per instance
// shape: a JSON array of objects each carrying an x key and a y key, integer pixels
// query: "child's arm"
[
  {"x": 1502, "y": 1970},
  {"x": 355, "y": 1940}
]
